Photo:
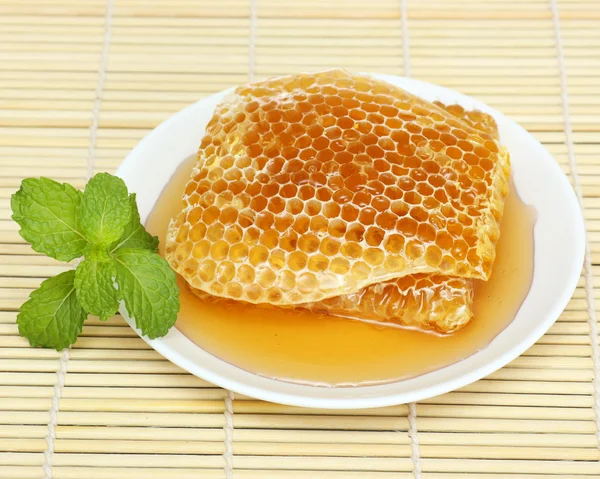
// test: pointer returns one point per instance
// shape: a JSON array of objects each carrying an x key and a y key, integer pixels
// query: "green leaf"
[
  {"x": 148, "y": 286},
  {"x": 52, "y": 317},
  {"x": 105, "y": 209},
  {"x": 47, "y": 212},
  {"x": 94, "y": 284},
  {"x": 135, "y": 235}
]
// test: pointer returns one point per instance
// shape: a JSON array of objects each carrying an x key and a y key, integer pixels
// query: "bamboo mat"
[{"x": 82, "y": 81}]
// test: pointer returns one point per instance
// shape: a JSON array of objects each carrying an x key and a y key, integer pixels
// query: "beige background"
[{"x": 81, "y": 81}]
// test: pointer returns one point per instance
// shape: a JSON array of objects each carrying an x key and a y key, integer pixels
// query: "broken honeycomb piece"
[
  {"x": 434, "y": 302},
  {"x": 424, "y": 301},
  {"x": 317, "y": 185}
]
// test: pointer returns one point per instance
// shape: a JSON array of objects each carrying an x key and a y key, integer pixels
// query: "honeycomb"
[
  {"x": 424, "y": 301},
  {"x": 318, "y": 185},
  {"x": 432, "y": 302}
]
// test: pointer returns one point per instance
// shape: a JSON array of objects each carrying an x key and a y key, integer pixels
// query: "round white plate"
[{"x": 559, "y": 239}]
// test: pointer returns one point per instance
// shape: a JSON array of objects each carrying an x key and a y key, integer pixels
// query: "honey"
[{"x": 324, "y": 350}]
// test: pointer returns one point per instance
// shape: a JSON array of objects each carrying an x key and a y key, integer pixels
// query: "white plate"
[{"x": 559, "y": 239}]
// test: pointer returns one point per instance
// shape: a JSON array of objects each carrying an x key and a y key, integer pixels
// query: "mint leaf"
[
  {"x": 135, "y": 235},
  {"x": 52, "y": 317},
  {"x": 94, "y": 284},
  {"x": 105, "y": 209},
  {"x": 47, "y": 212},
  {"x": 148, "y": 286}
]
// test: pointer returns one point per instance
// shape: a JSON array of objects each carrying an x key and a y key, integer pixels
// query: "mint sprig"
[{"x": 120, "y": 260}]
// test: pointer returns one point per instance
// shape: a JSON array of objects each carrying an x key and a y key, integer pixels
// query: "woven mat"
[{"x": 82, "y": 81}]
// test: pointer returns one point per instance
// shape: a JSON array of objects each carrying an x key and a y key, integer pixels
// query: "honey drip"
[{"x": 323, "y": 350}]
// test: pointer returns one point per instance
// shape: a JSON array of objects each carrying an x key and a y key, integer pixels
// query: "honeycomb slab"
[{"x": 318, "y": 185}]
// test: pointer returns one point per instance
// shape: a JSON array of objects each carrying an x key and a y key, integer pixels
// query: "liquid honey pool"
[{"x": 309, "y": 348}]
